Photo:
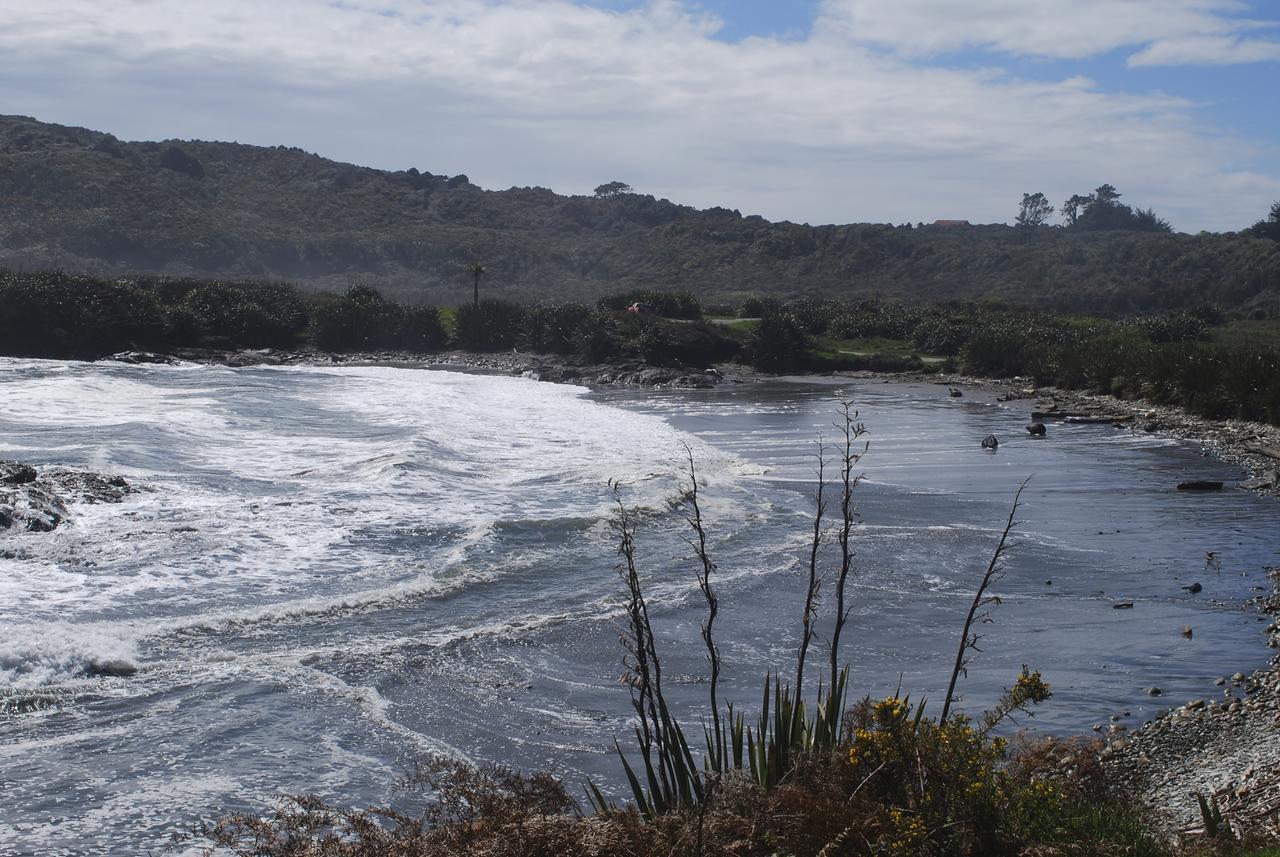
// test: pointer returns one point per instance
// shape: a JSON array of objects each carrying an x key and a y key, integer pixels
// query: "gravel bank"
[{"x": 1227, "y": 747}]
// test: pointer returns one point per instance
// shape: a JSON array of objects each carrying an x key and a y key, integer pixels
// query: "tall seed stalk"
[
  {"x": 980, "y": 610},
  {"x": 693, "y": 516},
  {"x": 852, "y": 431},
  {"x": 810, "y": 615}
]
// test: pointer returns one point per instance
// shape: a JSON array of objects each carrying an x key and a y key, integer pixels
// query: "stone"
[
  {"x": 1154, "y": 691},
  {"x": 1037, "y": 430},
  {"x": 990, "y": 442},
  {"x": 140, "y": 357},
  {"x": 16, "y": 473},
  {"x": 1200, "y": 485},
  {"x": 1195, "y": 705}
]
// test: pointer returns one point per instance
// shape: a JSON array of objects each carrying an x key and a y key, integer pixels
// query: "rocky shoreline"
[{"x": 1226, "y": 749}]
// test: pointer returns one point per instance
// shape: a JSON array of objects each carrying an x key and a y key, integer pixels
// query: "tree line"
[
  {"x": 1171, "y": 357},
  {"x": 1099, "y": 211}
]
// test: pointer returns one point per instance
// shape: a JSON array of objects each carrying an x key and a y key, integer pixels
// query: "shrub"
[
  {"x": 778, "y": 343},
  {"x": 256, "y": 315},
  {"x": 555, "y": 328},
  {"x": 493, "y": 325},
  {"x": 363, "y": 320},
  {"x": 60, "y": 315},
  {"x": 666, "y": 304}
]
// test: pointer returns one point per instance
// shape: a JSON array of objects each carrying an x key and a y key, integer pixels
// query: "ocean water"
[{"x": 333, "y": 572}]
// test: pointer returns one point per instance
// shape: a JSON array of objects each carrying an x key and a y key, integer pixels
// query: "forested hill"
[{"x": 80, "y": 200}]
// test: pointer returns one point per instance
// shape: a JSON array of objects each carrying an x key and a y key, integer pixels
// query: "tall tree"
[
  {"x": 1072, "y": 207},
  {"x": 1034, "y": 211},
  {"x": 1269, "y": 228},
  {"x": 476, "y": 270},
  {"x": 1105, "y": 195},
  {"x": 614, "y": 189}
]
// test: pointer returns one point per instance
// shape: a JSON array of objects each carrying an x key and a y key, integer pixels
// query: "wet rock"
[
  {"x": 1187, "y": 631},
  {"x": 954, "y": 393},
  {"x": 141, "y": 357},
  {"x": 1200, "y": 485},
  {"x": 1154, "y": 691},
  {"x": 39, "y": 504},
  {"x": 16, "y": 473},
  {"x": 990, "y": 442},
  {"x": 1122, "y": 605},
  {"x": 117, "y": 668},
  {"x": 1195, "y": 705},
  {"x": 1194, "y": 588},
  {"x": 1037, "y": 430},
  {"x": 1263, "y": 482}
]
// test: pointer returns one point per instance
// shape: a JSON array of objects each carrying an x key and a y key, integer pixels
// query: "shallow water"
[{"x": 337, "y": 570}]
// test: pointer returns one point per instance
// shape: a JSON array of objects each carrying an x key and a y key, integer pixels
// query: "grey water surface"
[{"x": 336, "y": 571}]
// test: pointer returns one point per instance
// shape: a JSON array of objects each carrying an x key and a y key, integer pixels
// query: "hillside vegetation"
[{"x": 78, "y": 200}]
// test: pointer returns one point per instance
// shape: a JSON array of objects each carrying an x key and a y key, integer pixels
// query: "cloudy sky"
[{"x": 808, "y": 110}]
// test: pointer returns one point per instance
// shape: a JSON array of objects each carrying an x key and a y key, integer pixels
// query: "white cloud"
[
  {"x": 1169, "y": 32},
  {"x": 565, "y": 95},
  {"x": 1206, "y": 50}
]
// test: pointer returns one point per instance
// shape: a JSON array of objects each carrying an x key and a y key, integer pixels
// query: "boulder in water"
[
  {"x": 1200, "y": 485},
  {"x": 141, "y": 357},
  {"x": 16, "y": 473},
  {"x": 990, "y": 442},
  {"x": 116, "y": 667},
  {"x": 1037, "y": 430},
  {"x": 37, "y": 501}
]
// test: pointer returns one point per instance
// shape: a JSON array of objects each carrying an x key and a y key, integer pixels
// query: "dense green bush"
[
  {"x": 256, "y": 315},
  {"x": 666, "y": 304},
  {"x": 778, "y": 343},
  {"x": 758, "y": 307},
  {"x": 363, "y": 320},
  {"x": 491, "y": 325},
  {"x": 62, "y": 315},
  {"x": 556, "y": 328}
]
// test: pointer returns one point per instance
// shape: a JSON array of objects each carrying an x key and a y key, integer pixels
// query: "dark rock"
[
  {"x": 1122, "y": 605},
  {"x": 39, "y": 505},
  {"x": 1261, "y": 483},
  {"x": 1200, "y": 485},
  {"x": 140, "y": 357},
  {"x": 117, "y": 668},
  {"x": 1154, "y": 691},
  {"x": 990, "y": 442},
  {"x": 1194, "y": 588},
  {"x": 1187, "y": 631},
  {"x": 16, "y": 473},
  {"x": 1098, "y": 419},
  {"x": 1037, "y": 430},
  {"x": 954, "y": 393}
]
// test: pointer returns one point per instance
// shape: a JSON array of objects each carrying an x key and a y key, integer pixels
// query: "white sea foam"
[
  {"x": 34, "y": 656},
  {"x": 282, "y": 493}
]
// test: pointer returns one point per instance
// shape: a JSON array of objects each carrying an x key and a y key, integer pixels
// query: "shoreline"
[
  {"x": 1229, "y": 751},
  {"x": 1252, "y": 446}
]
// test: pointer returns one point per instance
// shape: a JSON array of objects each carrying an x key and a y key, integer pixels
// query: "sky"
[{"x": 817, "y": 111}]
